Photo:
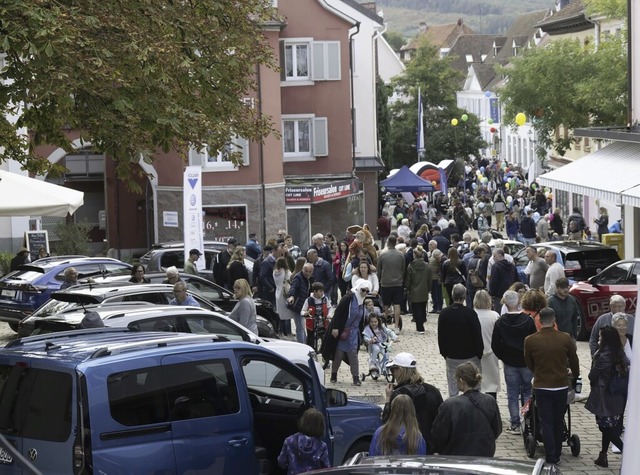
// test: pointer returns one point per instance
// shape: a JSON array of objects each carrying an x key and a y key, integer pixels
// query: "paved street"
[{"x": 431, "y": 366}]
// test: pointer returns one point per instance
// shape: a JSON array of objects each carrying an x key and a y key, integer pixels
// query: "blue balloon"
[
  {"x": 487, "y": 94},
  {"x": 506, "y": 179},
  {"x": 482, "y": 169},
  {"x": 473, "y": 185}
]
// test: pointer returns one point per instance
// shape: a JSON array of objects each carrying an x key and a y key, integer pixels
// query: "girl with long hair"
[
  {"x": 453, "y": 271},
  {"x": 235, "y": 267},
  {"x": 400, "y": 435}
]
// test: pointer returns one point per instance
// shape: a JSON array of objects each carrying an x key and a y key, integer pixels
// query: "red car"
[{"x": 594, "y": 294}]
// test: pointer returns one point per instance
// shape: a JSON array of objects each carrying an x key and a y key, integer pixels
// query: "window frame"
[
  {"x": 318, "y": 138},
  {"x": 202, "y": 157}
]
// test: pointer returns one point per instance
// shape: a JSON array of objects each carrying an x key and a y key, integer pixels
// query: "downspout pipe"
[{"x": 353, "y": 110}]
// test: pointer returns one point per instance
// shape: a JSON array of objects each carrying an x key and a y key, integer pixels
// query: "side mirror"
[{"x": 335, "y": 398}]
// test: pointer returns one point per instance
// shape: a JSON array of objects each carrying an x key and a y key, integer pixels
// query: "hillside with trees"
[{"x": 483, "y": 16}]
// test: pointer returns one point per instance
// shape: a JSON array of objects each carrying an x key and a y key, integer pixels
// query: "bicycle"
[{"x": 380, "y": 368}]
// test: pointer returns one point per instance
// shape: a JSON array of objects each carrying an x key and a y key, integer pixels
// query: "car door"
[
  {"x": 619, "y": 278},
  {"x": 210, "y": 421}
]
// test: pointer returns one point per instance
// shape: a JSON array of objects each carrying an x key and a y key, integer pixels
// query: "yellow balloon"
[
  {"x": 454, "y": 122},
  {"x": 520, "y": 118},
  {"x": 506, "y": 185}
]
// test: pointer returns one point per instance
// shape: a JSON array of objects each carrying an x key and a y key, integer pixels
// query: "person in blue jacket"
[{"x": 401, "y": 434}]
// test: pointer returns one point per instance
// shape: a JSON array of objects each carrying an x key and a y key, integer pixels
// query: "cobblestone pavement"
[{"x": 431, "y": 365}]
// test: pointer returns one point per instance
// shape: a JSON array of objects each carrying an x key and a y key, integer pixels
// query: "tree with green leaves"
[
  {"x": 568, "y": 84},
  {"x": 438, "y": 83},
  {"x": 132, "y": 77},
  {"x": 609, "y": 8},
  {"x": 395, "y": 40},
  {"x": 383, "y": 126}
]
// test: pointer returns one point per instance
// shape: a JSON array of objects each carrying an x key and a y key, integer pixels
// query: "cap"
[
  {"x": 404, "y": 360},
  {"x": 91, "y": 320},
  {"x": 232, "y": 240},
  {"x": 195, "y": 251},
  {"x": 23, "y": 249}
]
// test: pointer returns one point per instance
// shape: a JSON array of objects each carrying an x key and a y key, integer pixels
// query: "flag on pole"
[{"x": 420, "y": 138}]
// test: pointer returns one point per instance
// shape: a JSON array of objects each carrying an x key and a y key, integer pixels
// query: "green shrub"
[
  {"x": 5, "y": 262},
  {"x": 73, "y": 238}
]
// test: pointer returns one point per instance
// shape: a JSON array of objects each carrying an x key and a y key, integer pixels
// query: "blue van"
[{"x": 118, "y": 402}]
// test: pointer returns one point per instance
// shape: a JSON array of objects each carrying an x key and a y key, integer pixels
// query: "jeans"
[
  {"x": 528, "y": 241},
  {"x": 301, "y": 330},
  {"x": 518, "y": 382},
  {"x": 436, "y": 295},
  {"x": 551, "y": 406},
  {"x": 374, "y": 350},
  {"x": 452, "y": 364}
]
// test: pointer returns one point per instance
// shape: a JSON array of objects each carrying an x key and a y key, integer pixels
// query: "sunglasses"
[{"x": 364, "y": 291}]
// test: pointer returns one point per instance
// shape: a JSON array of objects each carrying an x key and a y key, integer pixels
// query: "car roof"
[
  {"x": 45, "y": 265},
  {"x": 180, "y": 244},
  {"x": 78, "y": 346},
  {"x": 571, "y": 246}
]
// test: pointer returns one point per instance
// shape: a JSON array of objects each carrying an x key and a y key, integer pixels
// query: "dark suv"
[
  {"x": 25, "y": 289},
  {"x": 581, "y": 259},
  {"x": 167, "y": 254}
]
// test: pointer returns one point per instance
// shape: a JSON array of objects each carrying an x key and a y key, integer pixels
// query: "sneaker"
[
  {"x": 513, "y": 430},
  {"x": 334, "y": 378},
  {"x": 357, "y": 382}
]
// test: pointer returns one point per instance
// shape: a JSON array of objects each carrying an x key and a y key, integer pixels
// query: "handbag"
[{"x": 286, "y": 287}]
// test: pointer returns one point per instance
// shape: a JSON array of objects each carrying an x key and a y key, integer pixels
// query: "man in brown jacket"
[{"x": 548, "y": 353}]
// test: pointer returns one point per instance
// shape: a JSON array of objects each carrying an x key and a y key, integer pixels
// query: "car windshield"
[
  {"x": 25, "y": 275},
  {"x": 51, "y": 307}
]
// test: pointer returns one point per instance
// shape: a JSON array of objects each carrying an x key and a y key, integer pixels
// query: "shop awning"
[
  {"x": 606, "y": 174},
  {"x": 320, "y": 192}
]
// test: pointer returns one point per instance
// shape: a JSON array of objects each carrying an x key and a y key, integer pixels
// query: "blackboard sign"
[{"x": 34, "y": 240}]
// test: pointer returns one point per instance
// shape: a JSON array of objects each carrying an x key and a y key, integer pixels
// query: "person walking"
[
  {"x": 528, "y": 228},
  {"x": 554, "y": 272},
  {"x": 536, "y": 268},
  {"x": 244, "y": 312},
  {"x": 391, "y": 276},
  {"x": 400, "y": 435},
  {"x": 453, "y": 272},
  {"x": 345, "y": 330},
  {"x": 575, "y": 225},
  {"x": 298, "y": 294},
  {"x": 459, "y": 336},
  {"x": 503, "y": 276},
  {"x": 282, "y": 279},
  {"x": 546, "y": 353},
  {"x": 435, "y": 263},
  {"x": 426, "y": 398},
  {"x": 602, "y": 223},
  {"x": 617, "y": 304},
  {"x": 221, "y": 261},
  {"x": 507, "y": 343},
  {"x": 383, "y": 227},
  {"x": 604, "y": 401},
  {"x": 235, "y": 267},
  {"x": 490, "y": 369},
  {"x": 418, "y": 285},
  {"x": 468, "y": 424},
  {"x": 566, "y": 308}
]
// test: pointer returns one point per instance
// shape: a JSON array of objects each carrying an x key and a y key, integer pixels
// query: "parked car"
[
  {"x": 213, "y": 292},
  {"x": 95, "y": 294},
  {"x": 172, "y": 318},
  {"x": 581, "y": 259},
  {"x": 441, "y": 465},
  {"x": 594, "y": 294},
  {"x": 112, "y": 400},
  {"x": 511, "y": 247},
  {"x": 167, "y": 254},
  {"x": 27, "y": 288}
]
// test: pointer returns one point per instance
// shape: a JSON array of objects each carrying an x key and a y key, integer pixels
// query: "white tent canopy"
[{"x": 24, "y": 196}]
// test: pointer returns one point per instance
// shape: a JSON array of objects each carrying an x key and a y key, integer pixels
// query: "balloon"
[
  {"x": 467, "y": 169},
  {"x": 454, "y": 122},
  {"x": 487, "y": 94},
  {"x": 474, "y": 186},
  {"x": 485, "y": 180},
  {"x": 547, "y": 190},
  {"x": 521, "y": 118},
  {"x": 399, "y": 217},
  {"x": 534, "y": 186},
  {"x": 482, "y": 169},
  {"x": 464, "y": 117},
  {"x": 520, "y": 192},
  {"x": 505, "y": 179},
  {"x": 478, "y": 172},
  {"x": 434, "y": 183},
  {"x": 493, "y": 130},
  {"x": 489, "y": 121},
  {"x": 507, "y": 186},
  {"x": 550, "y": 196}
]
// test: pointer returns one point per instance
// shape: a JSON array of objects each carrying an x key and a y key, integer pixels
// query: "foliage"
[
  {"x": 133, "y": 77},
  {"x": 395, "y": 40},
  {"x": 5, "y": 262},
  {"x": 438, "y": 83},
  {"x": 73, "y": 238},
  {"x": 383, "y": 92},
  {"x": 567, "y": 84},
  {"x": 609, "y": 8}
]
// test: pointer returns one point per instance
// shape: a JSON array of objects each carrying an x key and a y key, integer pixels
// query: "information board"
[{"x": 34, "y": 240}]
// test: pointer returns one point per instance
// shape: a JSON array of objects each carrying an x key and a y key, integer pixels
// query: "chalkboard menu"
[{"x": 34, "y": 240}]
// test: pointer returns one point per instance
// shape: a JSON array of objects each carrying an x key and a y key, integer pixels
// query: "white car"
[{"x": 172, "y": 318}]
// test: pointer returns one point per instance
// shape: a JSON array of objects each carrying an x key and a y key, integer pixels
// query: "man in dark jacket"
[
  {"x": 220, "y": 271},
  {"x": 528, "y": 229},
  {"x": 322, "y": 271},
  {"x": 566, "y": 308},
  {"x": 298, "y": 294},
  {"x": 477, "y": 265},
  {"x": 442, "y": 242},
  {"x": 384, "y": 227},
  {"x": 459, "y": 336},
  {"x": 507, "y": 343},
  {"x": 503, "y": 275},
  {"x": 267, "y": 286},
  {"x": 22, "y": 257}
]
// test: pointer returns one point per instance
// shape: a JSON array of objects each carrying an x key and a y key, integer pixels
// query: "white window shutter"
[
  {"x": 243, "y": 145},
  {"x": 320, "y": 137},
  {"x": 332, "y": 61},
  {"x": 317, "y": 61}
]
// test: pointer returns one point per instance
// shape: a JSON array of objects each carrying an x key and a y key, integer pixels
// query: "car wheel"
[
  {"x": 574, "y": 443},
  {"x": 360, "y": 446},
  {"x": 530, "y": 446},
  {"x": 583, "y": 333},
  {"x": 13, "y": 326}
]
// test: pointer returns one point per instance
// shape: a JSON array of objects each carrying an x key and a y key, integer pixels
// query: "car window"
[
  {"x": 161, "y": 324},
  {"x": 113, "y": 268},
  {"x": 209, "y": 292},
  {"x": 23, "y": 275},
  {"x": 137, "y": 397},
  {"x": 51, "y": 307},
  {"x": 172, "y": 258},
  {"x": 521, "y": 258},
  {"x": 84, "y": 271},
  {"x": 211, "y": 324},
  {"x": 158, "y": 298},
  {"x": 35, "y": 403},
  {"x": 615, "y": 275},
  {"x": 266, "y": 378}
]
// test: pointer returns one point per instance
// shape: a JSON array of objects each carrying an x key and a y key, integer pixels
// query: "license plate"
[
  {"x": 8, "y": 293},
  {"x": 5, "y": 457}
]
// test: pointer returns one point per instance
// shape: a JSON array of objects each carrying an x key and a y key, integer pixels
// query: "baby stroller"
[
  {"x": 531, "y": 431},
  {"x": 380, "y": 369}
]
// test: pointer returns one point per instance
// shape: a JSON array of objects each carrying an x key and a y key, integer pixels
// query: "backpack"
[
  {"x": 474, "y": 277},
  {"x": 573, "y": 226}
]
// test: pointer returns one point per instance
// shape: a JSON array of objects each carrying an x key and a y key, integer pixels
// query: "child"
[
  {"x": 369, "y": 308},
  {"x": 376, "y": 333},
  {"x": 305, "y": 450},
  {"x": 316, "y": 310},
  {"x": 401, "y": 433}
]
